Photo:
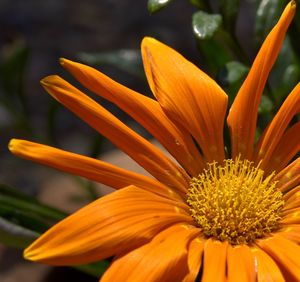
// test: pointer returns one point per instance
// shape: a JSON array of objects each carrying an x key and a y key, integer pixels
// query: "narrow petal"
[
  {"x": 289, "y": 177},
  {"x": 266, "y": 268},
  {"x": 293, "y": 203},
  {"x": 118, "y": 222},
  {"x": 92, "y": 169},
  {"x": 138, "y": 148},
  {"x": 240, "y": 264},
  {"x": 195, "y": 253},
  {"x": 145, "y": 111},
  {"x": 287, "y": 148},
  {"x": 187, "y": 95},
  {"x": 291, "y": 232},
  {"x": 292, "y": 194},
  {"x": 163, "y": 259},
  {"x": 291, "y": 217},
  {"x": 274, "y": 132},
  {"x": 214, "y": 268},
  {"x": 243, "y": 113},
  {"x": 285, "y": 253}
]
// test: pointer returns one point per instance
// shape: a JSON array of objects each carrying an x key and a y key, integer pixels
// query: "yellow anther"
[{"x": 234, "y": 202}]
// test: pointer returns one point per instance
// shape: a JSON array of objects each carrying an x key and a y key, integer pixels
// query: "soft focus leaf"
[
  {"x": 229, "y": 9},
  {"x": 200, "y": 4},
  {"x": 128, "y": 60},
  {"x": 156, "y": 5},
  {"x": 268, "y": 12},
  {"x": 23, "y": 219},
  {"x": 216, "y": 56},
  {"x": 286, "y": 72},
  {"x": 96, "y": 269},
  {"x": 205, "y": 25},
  {"x": 266, "y": 105},
  {"x": 231, "y": 77},
  {"x": 236, "y": 71},
  {"x": 19, "y": 202},
  {"x": 13, "y": 61},
  {"x": 14, "y": 235}
]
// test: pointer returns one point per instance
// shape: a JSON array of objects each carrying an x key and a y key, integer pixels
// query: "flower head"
[{"x": 231, "y": 217}]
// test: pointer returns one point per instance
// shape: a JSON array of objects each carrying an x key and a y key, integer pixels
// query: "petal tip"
[
  {"x": 27, "y": 254},
  {"x": 13, "y": 143},
  {"x": 62, "y": 61},
  {"x": 293, "y": 4},
  {"x": 65, "y": 62},
  {"x": 147, "y": 41},
  {"x": 50, "y": 80}
]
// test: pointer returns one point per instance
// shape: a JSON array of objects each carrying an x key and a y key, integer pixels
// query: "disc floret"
[{"x": 234, "y": 202}]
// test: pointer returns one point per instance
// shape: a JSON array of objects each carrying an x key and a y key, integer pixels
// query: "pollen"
[{"x": 235, "y": 202}]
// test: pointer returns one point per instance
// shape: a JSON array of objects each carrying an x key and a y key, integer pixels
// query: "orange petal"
[
  {"x": 267, "y": 270},
  {"x": 293, "y": 203},
  {"x": 292, "y": 194},
  {"x": 118, "y": 222},
  {"x": 138, "y": 148},
  {"x": 145, "y": 111},
  {"x": 273, "y": 134},
  {"x": 92, "y": 169},
  {"x": 188, "y": 96},
  {"x": 240, "y": 264},
  {"x": 243, "y": 113},
  {"x": 291, "y": 217},
  {"x": 195, "y": 252},
  {"x": 291, "y": 232},
  {"x": 285, "y": 253},
  {"x": 163, "y": 259},
  {"x": 287, "y": 148},
  {"x": 215, "y": 255},
  {"x": 289, "y": 177}
]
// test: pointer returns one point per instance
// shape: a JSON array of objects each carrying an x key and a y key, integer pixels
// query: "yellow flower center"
[{"x": 234, "y": 202}]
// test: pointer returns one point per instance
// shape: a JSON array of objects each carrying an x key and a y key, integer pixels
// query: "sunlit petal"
[
  {"x": 138, "y": 148},
  {"x": 165, "y": 258},
  {"x": 214, "y": 266},
  {"x": 120, "y": 221},
  {"x": 240, "y": 264},
  {"x": 144, "y": 110},
  {"x": 266, "y": 267},
  {"x": 242, "y": 117},
  {"x": 274, "y": 132},
  {"x": 285, "y": 253},
  {"x": 187, "y": 95}
]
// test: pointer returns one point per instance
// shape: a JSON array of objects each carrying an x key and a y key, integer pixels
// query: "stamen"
[{"x": 234, "y": 202}]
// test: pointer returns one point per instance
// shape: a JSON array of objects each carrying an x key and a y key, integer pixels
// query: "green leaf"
[
  {"x": 13, "y": 62},
  {"x": 285, "y": 73},
  {"x": 206, "y": 25},
  {"x": 266, "y": 105},
  {"x": 96, "y": 269},
  {"x": 14, "y": 235},
  {"x": 23, "y": 219},
  {"x": 156, "y": 5},
  {"x": 229, "y": 9},
  {"x": 16, "y": 200},
  {"x": 267, "y": 14},
  {"x": 236, "y": 71},
  {"x": 215, "y": 55},
  {"x": 231, "y": 77},
  {"x": 128, "y": 60},
  {"x": 201, "y": 5}
]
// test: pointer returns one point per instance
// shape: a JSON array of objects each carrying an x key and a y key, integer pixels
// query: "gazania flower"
[{"x": 207, "y": 213}]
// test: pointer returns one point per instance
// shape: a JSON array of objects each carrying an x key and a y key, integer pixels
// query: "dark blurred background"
[{"x": 40, "y": 32}]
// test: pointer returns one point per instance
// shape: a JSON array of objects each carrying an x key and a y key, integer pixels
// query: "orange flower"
[{"x": 229, "y": 217}]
